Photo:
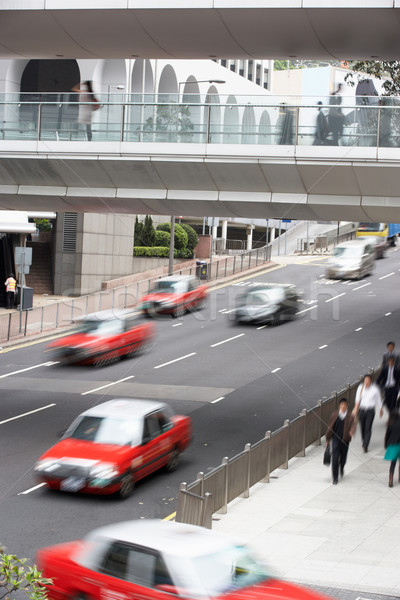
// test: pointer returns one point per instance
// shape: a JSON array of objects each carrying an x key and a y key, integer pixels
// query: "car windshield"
[
  {"x": 170, "y": 286},
  {"x": 261, "y": 297},
  {"x": 106, "y": 430},
  {"x": 371, "y": 227},
  {"x": 348, "y": 251},
  {"x": 101, "y": 328},
  {"x": 228, "y": 569}
]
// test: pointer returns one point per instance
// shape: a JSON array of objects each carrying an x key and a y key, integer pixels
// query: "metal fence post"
[
  {"x": 26, "y": 322},
  {"x": 234, "y": 264},
  {"x": 100, "y": 300},
  {"x": 224, "y": 507},
  {"x": 206, "y": 520},
  {"x": 267, "y": 437},
  {"x": 9, "y": 326},
  {"x": 304, "y": 421},
  {"x": 41, "y": 319},
  {"x": 257, "y": 256},
  {"x": 180, "y": 510},
  {"x": 216, "y": 274},
  {"x": 246, "y": 492},
  {"x": 319, "y": 406},
  {"x": 241, "y": 261},
  {"x": 200, "y": 477},
  {"x": 286, "y": 424},
  {"x": 226, "y": 265}
]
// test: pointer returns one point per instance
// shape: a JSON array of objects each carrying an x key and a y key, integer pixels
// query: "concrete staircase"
[{"x": 40, "y": 277}]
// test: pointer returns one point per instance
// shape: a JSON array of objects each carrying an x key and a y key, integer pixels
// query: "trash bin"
[
  {"x": 27, "y": 300},
  {"x": 201, "y": 269}
]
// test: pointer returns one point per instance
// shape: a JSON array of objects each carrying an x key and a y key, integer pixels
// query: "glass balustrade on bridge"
[{"x": 284, "y": 121}]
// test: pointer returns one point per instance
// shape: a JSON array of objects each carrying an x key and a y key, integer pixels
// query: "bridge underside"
[
  {"x": 315, "y": 183},
  {"x": 307, "y": 29}
]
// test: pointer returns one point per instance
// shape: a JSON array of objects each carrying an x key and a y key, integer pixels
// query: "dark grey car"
[{"x": 267, "y": 304}]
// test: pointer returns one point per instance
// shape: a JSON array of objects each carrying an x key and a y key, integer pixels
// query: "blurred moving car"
[
  {"x": 103, "y": 337},
  {"x": 175, "y": 295},
  {"x": 379, "y": 244},
  {"x": 112, "y": 445},
  {"x": 351, "y": 260},
  {"x": 270, "y": 303},
  {"x": 157, "y": 560}
]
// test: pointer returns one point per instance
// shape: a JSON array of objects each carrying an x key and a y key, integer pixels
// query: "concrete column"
[
  {"x": 224, "y": 233},
  {"x": 249, "y": 232},
  {"x": 271, "y": 234}
]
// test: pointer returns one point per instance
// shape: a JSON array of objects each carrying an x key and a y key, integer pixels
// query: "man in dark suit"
[
  {"x": 390, "y": 352},
  {"x": 341, "y": 428},
  {"x": 389, "y": 382}
]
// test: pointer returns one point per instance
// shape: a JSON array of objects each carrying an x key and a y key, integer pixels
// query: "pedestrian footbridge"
[{"x": 238, "y": 157}]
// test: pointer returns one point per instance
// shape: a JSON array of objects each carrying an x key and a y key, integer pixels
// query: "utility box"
[
  {"x": 27, "y": 299},
  {"x": 201, "y": 269}
]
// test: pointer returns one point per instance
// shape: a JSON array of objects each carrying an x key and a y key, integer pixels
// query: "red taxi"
[
  {"x": 112, "y": 445},
  {"x": 157, "y": 560},
  {"x": 174, "y": 296},
  {"x": 104, "y": 337}
]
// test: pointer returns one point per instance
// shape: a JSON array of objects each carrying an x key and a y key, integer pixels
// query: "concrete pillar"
[
  {"x": 249, "y": 232},
  {"x": 271, "y": 234},
  {"x": 224, "y": 233}
]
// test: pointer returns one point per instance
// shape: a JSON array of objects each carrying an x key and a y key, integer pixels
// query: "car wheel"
[
  {"x": 173, "y": 461},
  {"x": 79, "y": 596},
  {"x": 127, "y": 487},
  {"x": 179, "y": 311},
  {"x": 276, "y": 320}
]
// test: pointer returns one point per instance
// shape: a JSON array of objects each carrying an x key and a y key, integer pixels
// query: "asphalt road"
[{"x": 236, "y": 382}]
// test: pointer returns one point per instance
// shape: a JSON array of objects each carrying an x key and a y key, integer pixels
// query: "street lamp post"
[{"x": 109, "y": 88}]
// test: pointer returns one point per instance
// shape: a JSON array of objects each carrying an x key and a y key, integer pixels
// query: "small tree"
[
  {"x": 171, "y": 121},
  {"x": 16, "y": 576},
  {"x": 180, "y": 237},
  {"x": 387, "y": 71},
  {"x": 138, "y": 233},
  {"x": 162, "y": 238},
  {"x": 193, "y": 238},
  {"x": 148, "y": 232}
]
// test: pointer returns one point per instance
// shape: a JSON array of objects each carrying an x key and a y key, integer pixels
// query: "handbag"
[{"x": 327, "y": 456}]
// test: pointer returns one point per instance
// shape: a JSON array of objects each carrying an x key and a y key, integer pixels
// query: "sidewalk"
[{"x": 344, "y": 540}]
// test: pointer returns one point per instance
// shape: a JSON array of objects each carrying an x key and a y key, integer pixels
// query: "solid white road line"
[
  {"x": 358, "y": 329},
  {"x": 107, "y": 385},
  {"x": 32, "y": 489},
  {"x": 27, "y": 413},
  {"x": 217, "y": 400},
  {"x": 361, "y": 286},
  {"x": 307, "y": 309},
  {"x": 46, "y": 364},
  {"x": 334, "y": 297},
  {"x": 276, "y": 370},
  {"x": 228, "y": 340},
  {"x": 175, "y": 360},
  {"x": 388, "y": 275},
  {"x": 322, "y": 347}
]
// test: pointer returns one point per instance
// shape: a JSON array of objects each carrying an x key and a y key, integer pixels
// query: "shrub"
[
  {"x": 180, "y": 237},
  {"x": 159, "y": 251},
  {"x": 193, "y": 238},
  {"x": 138, "y": 233},
  {"x": 148, "y": 233},
  {"x": 43, "y": 224},
  {"x": 162, "y": 238}
]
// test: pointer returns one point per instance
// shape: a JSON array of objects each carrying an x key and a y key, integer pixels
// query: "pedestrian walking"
[
  {"x": 321, "y": 128},
  {"x": 285, "y": 126},
  {"x": 88, "y": 104},
  {"x": 389, "y": 382},
  {"x": 368, "y": 400},
  {"x": 390, "y": 352},
  {"x": 10, "y": 284},
  {"x": 392, "y": 443},
  {"x": 341, "y": 428}
]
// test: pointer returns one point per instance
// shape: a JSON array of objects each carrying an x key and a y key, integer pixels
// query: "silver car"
[{"x": 351, "y": 260}]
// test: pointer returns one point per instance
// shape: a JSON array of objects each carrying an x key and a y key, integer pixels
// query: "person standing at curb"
[
  {"x": 392, "y": 443},
  {"x": 10, "y": 284},
  {"x": 341, "y": 428},
  {"x": 368, "y": 400}
]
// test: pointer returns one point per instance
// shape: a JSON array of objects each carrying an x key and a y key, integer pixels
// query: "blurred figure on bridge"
[
  {"x": 285, "y": 126},
  {"x": 335, "y": 116},
  {"x": 341, "y": 428},
  {"x": 368, "y": 400},
  {"x": 88, "y": 104},
  {"x": 392, "y": 443},
  {"x": 389, "y": 382},
  {"x": 322, "y": 129}
]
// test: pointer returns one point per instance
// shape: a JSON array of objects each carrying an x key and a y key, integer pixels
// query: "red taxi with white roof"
[
  {"x": 112, "y": 445},
  {"x": 160, "y": 560},
  {"x": 174, "y": 296}
]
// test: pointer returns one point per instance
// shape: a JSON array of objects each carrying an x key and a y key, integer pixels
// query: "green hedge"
[
  {"x": 162, "y": 238},
  {"x": 193, "y": 238},
  {"x": 161, "y": 252}
]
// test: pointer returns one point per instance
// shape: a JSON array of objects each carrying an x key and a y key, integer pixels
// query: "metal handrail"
[{"x": 235, "y": 476}]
